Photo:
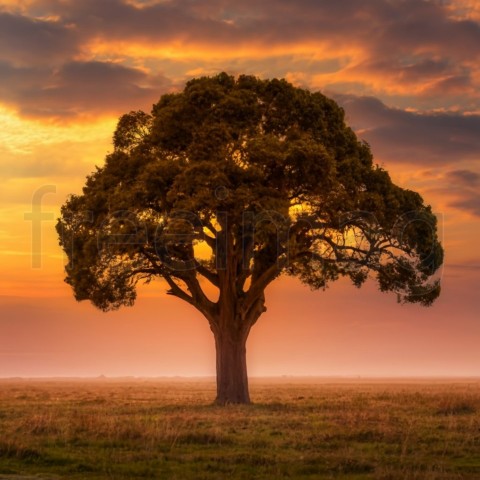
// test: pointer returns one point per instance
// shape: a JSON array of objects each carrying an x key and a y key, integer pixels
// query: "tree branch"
[
  {"x": 174, "y": 288},
  {"x": 258, "y": 286},
  {"x": 206, "y": 273},
  {"x": 176, "y": 291}
]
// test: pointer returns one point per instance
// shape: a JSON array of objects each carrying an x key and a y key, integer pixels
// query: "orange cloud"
[{"x": 406, "y": 49}]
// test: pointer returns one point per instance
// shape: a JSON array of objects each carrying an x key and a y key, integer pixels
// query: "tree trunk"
[{"x": 232, "y": 380}]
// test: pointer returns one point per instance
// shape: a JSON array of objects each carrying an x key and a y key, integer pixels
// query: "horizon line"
[{"x": 251, "y": 377}]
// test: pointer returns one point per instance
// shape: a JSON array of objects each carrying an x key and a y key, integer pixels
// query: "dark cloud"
[
  {"x": 464, "y": 185},
  {"x": 464, "y": 177},
  {"x": 26, "y": 40},
  {"x": 79, "y": 88},
  {"x": 423, "y": 68},
  {"x": 97, "y": 75},
  {"x": 384, "y": 26},
  {"x": 470, "y": 203},
  {"x": 16, "y": 80},
  {"x": 115, "y": 20},
  {"x": 431, "y": 74},
  {"x": 409, "y": 137},
  {"x": 426, "y": 24},
  {"x": 454, "y": 84},
  {"x": 406, "y": 42}
]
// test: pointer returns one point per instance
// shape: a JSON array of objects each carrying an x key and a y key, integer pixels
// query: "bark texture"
[{"x": 232, "y": 379}]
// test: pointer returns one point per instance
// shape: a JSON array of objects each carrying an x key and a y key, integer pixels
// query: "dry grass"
[{"x": 108, "y": 429}]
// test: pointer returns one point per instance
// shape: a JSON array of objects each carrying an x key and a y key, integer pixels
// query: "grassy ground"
[{"x": 296, "y": 429}]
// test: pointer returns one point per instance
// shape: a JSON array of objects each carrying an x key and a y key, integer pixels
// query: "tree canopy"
[{"x": 230, "y": 183}]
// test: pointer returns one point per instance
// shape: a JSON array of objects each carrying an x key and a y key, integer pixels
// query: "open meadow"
[{"x": 296, "y": 428}]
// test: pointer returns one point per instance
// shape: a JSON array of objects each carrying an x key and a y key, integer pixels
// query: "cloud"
[
  {"x": 464, "y": 9},
  {"x": 380, "y": 26},
  {"x": 408, "y": 49},
  {"x": 463, "y": 184},
  {"x": 425, "y": 25},
  {"x": 413, "y": 138},
  {"x": 117, "y": 20},
  {"x": 79, "y": 88},
  {"x": 465, "y": 178},
  {"x": 26, "y": 41},
  {"x": 469, "y": 202},
  {"x": 427, "y": 78}
]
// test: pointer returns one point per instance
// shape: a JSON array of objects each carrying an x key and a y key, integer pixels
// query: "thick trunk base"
[{"x": 232, "y": 380}]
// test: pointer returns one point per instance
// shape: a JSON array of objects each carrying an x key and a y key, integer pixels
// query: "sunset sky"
[{"x": 407, "y": 73}]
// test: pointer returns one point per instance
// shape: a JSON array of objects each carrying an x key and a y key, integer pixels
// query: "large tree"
[{"x": 229, "y": 184}]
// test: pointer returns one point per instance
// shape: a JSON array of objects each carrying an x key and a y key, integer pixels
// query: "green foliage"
[{"x": 266, "y": 177}]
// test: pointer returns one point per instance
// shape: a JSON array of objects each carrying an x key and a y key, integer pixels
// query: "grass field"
[{"x": 296, "y": 429}]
